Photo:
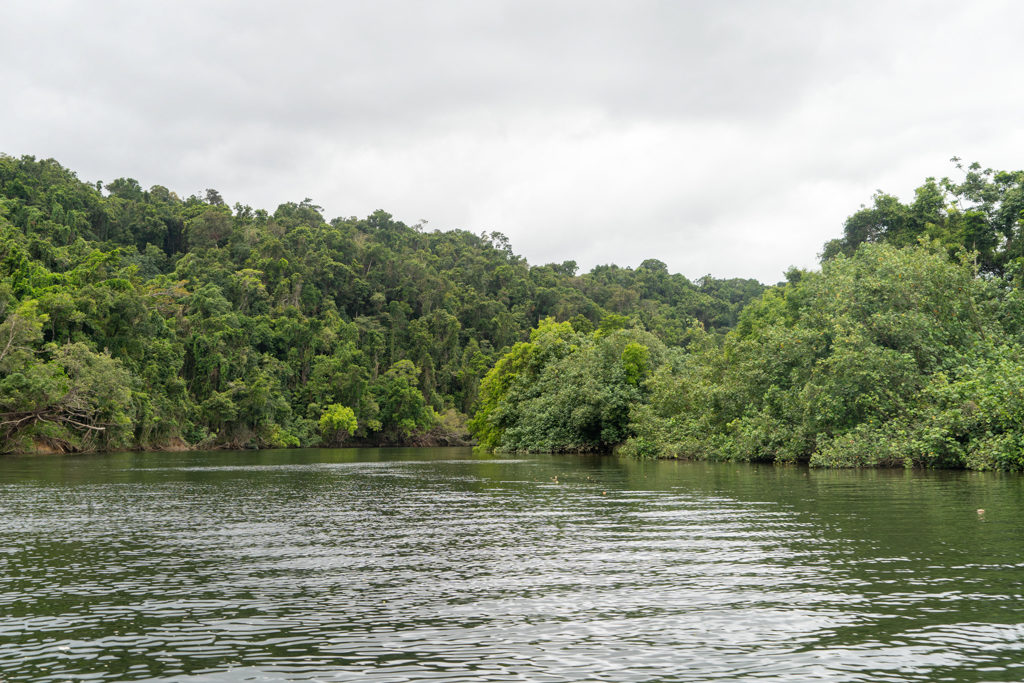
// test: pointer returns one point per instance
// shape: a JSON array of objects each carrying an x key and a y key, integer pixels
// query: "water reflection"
[{"x": 398, "y": 565}]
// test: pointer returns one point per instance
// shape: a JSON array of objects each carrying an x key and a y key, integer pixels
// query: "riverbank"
[{"x": 435, "y": 438}]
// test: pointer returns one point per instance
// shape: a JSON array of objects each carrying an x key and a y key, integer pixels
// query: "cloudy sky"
[{"x": 730, "y": 138}]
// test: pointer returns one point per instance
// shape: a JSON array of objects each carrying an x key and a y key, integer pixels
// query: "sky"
[{"x": 729, "y": 138}]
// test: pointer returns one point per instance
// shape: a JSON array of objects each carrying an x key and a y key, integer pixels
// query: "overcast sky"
[{"x": 730, "y": 138}]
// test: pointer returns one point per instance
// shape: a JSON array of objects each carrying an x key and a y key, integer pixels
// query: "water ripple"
[{"x": 443, "y": 566}]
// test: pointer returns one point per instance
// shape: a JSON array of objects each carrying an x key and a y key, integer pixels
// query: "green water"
[{"x": 435, "y": 564}]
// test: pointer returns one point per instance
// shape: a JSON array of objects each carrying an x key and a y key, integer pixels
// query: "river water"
[{"x": 440, "y": 565}]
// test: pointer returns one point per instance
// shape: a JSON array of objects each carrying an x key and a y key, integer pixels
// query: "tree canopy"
[
  {"x": 904, "y": 350},
  {"x": 138, "y": 318}
]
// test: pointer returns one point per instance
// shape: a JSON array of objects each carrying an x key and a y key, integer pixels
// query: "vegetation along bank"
[{"x": 134, "y": 318}]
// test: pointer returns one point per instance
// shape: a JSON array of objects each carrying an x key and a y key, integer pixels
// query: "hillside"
[{"x": 135, "y": 318}]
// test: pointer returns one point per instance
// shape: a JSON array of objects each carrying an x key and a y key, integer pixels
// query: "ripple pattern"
[{"x": 330, "y": 566}]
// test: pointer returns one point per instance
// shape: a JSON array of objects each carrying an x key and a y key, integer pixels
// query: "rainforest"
[{"x": 135, "y": 318}]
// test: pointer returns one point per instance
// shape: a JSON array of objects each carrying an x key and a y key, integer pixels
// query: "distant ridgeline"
[{"x": 134, "y": 318}]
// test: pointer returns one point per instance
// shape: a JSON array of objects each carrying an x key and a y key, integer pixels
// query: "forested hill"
[
  {"x": 905, "y": 349},
  {"x": 135, "y": 318}
]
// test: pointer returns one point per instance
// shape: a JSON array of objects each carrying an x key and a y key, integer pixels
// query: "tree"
[
  {"x": 337, "y": 423},
  {"x": 564, "y": 391},
  {"x": 239, "y": 327},
  {"x": 403, "y": 409},
  {"x": 828, "y": 364}
]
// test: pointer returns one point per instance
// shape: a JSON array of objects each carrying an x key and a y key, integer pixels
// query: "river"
[{"x": 442, "y": 565}]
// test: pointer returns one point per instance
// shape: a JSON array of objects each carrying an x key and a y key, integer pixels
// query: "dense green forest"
[
  {"x": 905, "y": 349},
  {"x": 136, "y": 318}
]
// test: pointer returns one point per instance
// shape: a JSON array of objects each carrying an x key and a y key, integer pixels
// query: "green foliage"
[
  {"x": 337, "y": 423},
  {"x": 134, "y": 318},
  {"x": 982, "y": 214},
  {"x": 513, "y": 378},
  {"x": 888, "y": 357},
  {"x": 241, "y": 327},
  {"x": 636, "y": 362},
  {"x": 403, "y": 409},
  {"x": 564, "y": 391},
  {"x": 69, "y": 397}
]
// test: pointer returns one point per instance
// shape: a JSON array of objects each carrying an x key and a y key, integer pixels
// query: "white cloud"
[{"x": 730, "y": 138}]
